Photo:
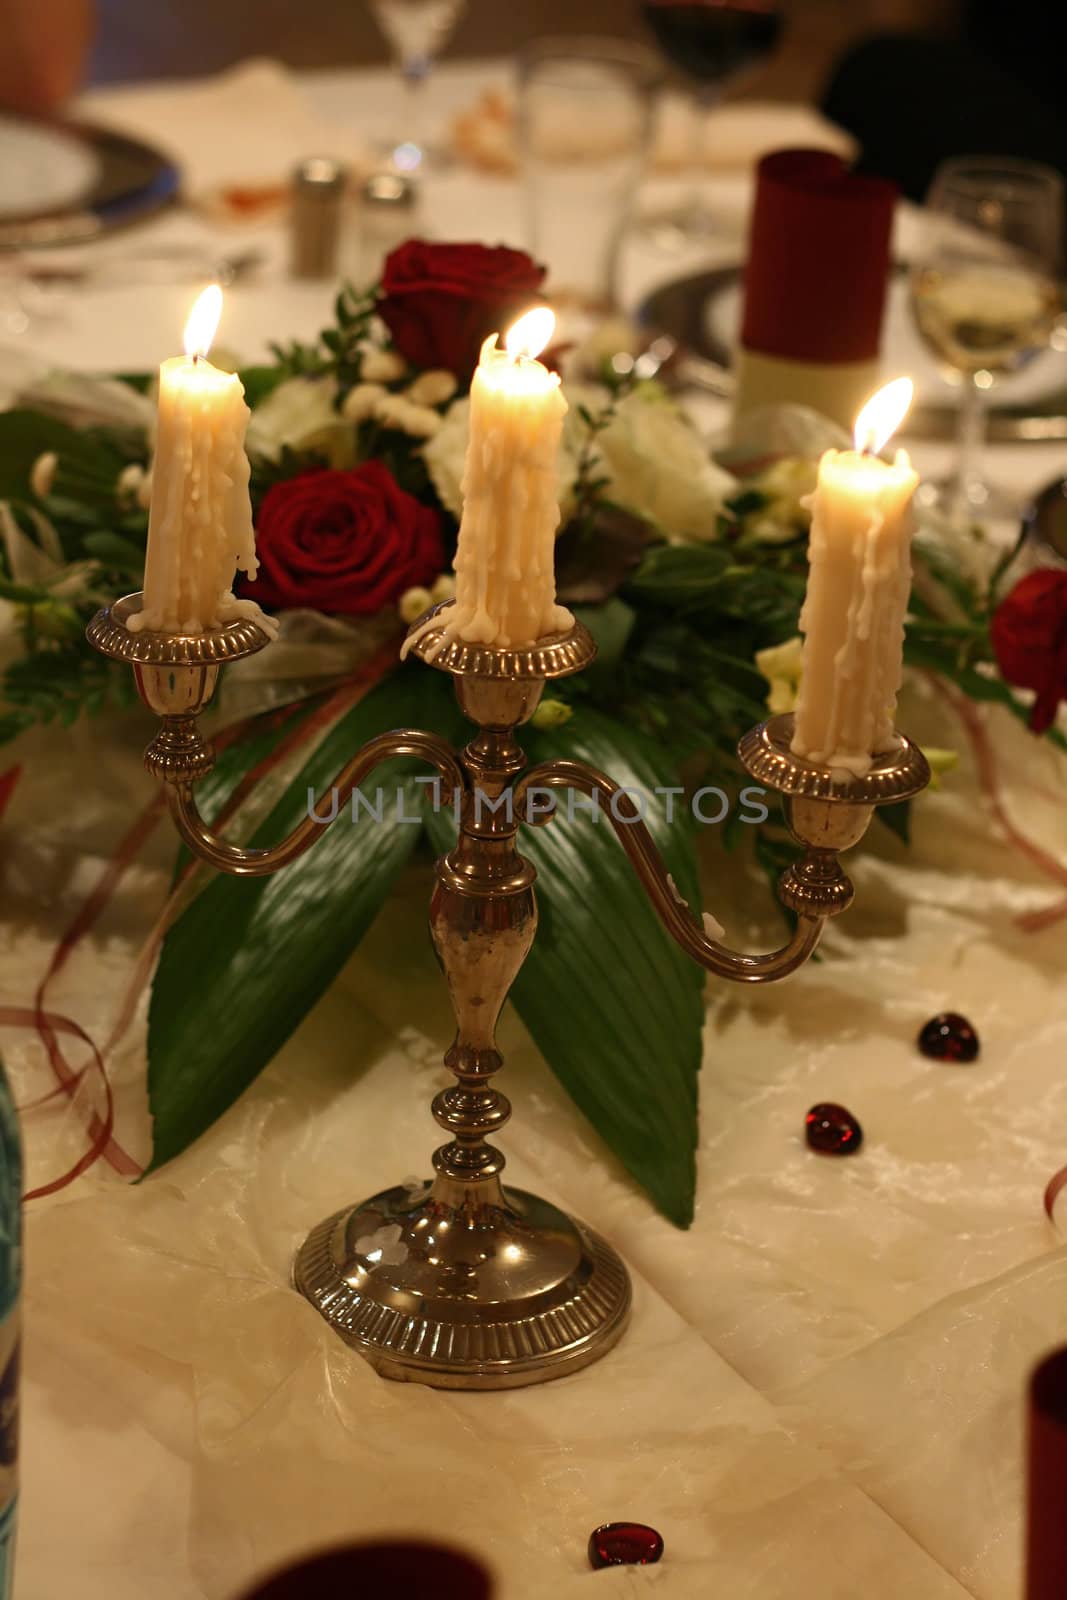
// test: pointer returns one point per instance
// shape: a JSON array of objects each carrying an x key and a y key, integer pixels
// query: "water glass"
[{"x": 585, "y": 116}]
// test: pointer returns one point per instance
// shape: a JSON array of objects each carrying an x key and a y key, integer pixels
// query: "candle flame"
[
  {"x": 531, "y": 333},
  {"x": 203, "y": 320},
  {"x": 882, "y": 415}
]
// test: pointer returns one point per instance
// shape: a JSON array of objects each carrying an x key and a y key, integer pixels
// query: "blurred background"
[{"x": 176, "y": 38}]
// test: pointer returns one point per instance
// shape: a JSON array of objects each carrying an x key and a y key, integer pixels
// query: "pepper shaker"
[{"x": 315, "y": 218}]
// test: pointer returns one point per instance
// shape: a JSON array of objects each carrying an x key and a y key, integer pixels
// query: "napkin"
[
  {"x": 818, "y": 261},
  {"x": 247, "y": 127}
]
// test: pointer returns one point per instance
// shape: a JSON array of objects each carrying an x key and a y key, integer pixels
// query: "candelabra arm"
[
  {"x": 239, "y": 862},
  {"x": 673, "y": 911}
]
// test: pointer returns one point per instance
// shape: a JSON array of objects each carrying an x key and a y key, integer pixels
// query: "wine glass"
[
  {"x": 984, "y": 295},
  {"x": 416, "y": 31},
  {"x": 711, "y": 42}
]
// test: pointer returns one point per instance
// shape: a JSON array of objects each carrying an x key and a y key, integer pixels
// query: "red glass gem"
[
  {"x": 948, "y": 1037},
  {"x": 624, "y": 1544},
  {"x": 832, "y": 1130}
]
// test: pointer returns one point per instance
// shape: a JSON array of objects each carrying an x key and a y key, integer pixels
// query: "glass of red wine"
[{"x": 711, "y": 43}]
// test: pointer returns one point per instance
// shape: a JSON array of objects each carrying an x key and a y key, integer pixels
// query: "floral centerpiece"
[{"x": 688, "y": 571}]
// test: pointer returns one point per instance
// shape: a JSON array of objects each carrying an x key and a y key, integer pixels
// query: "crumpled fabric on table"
[{"x": 822, "y": 1386}]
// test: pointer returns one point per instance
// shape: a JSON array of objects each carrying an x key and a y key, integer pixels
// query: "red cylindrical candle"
[
  {"x": 818, "y": 259},
  {"x": 379, "y": 1570},
  {"x": 1046, "y": 1516}
]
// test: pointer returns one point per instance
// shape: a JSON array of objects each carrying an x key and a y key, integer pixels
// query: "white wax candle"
[
  {"x": 200, "y": 520},
  {"x": 505, "y": 558},
  {"x": 853, "y": 614}
]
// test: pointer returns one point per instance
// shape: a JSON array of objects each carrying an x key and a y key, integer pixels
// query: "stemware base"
[{"x": 970, "y": 502}]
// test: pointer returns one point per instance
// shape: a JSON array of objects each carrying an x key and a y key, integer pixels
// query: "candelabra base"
[{"x": 460, "y": 1292}]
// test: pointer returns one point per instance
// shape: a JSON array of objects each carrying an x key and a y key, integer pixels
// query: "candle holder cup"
[{"x": 460, "y": 1282}]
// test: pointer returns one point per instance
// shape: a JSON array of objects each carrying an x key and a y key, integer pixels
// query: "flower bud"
[
  {"x": 381, "y": 366},
  {"x": 129, "y": 481},
  {"x": 413, "y": 602},
  {"x": 432, "y": 388},
  {"x": 444, "y": 587},
  {"x": 552, "y": 714},
  {"x": 359, "y": 403},
  {"x": 43, "y": 474},
  {"x": 396, "y": 411}
]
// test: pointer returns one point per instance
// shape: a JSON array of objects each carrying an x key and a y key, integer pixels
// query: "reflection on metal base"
[{"x": 475, "y": 1296}]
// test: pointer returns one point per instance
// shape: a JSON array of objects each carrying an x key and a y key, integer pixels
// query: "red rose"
[
  {"x": 1029, "y": 636},
  {"x": 440, "y": 301},
  {"x": 350, "y": 542}
]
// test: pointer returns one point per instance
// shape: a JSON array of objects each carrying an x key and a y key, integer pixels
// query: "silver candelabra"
[{"x": 480, "y": 1286}]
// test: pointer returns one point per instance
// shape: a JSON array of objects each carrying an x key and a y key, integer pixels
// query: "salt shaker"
[
  {"x": 315, "y": 217},
  {"x": 388, "y": 213}
]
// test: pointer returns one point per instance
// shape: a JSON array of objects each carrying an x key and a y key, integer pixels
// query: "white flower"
[
  {"x": 43, "y": 474},
  {"x": 432, "y": 388},
  {"x": 381, "y": 366},
  {"x": 658, "y": 468},
  {"x": 299, "y": 413},
  {"x": 144, "y": 492},
  {"x": 444, "y": 587},
  {"x": 395, "y": 411},
  {"x": 359, "y": 403},
  {"x": 782, "y": 666},
  {"x": 413, "y": 602},
  {"x": 446, "y": 453},
  {"x": 653, "y": 460}
]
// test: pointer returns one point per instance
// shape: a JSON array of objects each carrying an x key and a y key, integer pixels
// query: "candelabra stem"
[{"x": 483, "y": 917}]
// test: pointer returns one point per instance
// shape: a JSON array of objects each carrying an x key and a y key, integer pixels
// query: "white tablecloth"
[{"x": 821, "y": 1393}]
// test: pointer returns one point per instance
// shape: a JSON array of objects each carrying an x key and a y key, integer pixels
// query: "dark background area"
[{"x": 185, "y": 38}]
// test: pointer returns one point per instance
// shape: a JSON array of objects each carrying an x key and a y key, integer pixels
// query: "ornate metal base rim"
[
  {"x": 491, "y": 1344},
  {"x": 766, "y": 754},
  {"x": 557, "y": 655},
  {"x": 109, "y": 632}
]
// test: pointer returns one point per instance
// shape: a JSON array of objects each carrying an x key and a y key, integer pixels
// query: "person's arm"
[{"x": 43, "y": 46}]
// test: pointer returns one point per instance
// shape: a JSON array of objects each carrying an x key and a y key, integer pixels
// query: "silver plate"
[
  {"x": 679, "y": 309},
  {"x": 133, "y": 181}
]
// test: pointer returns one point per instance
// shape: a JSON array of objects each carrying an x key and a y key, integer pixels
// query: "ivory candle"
[
  {"x": 200, "y": 518},
  {"x": 505, "y": 557},
  {"x": 853, "y": 614}
]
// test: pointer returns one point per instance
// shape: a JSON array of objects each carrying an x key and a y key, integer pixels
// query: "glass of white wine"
[
  {"x": 416, "y": 31},
  {"x": 985, "y": 294}
]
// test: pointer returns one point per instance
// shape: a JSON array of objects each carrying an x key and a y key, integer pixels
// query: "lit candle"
[
  {"x": 853, "y": 614},
  {"x": 505, "y": 557},
  {"x": 200, "y": 520}
]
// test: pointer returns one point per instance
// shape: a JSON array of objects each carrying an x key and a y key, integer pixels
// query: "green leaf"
[
  {"x": 611, "y": 625},
  {"x": 22, "y": 594},
  {"x": 258, "y": 952},
  {"x": 122, "y": 555},
  {"x": 140, "y": 381},
  {"x": 609, "y": 999},
  {"x": 25, "y": 435},
  {"x": 259, "y": 382},
  {"x": 897, "y": 818}
]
